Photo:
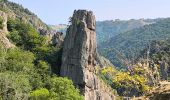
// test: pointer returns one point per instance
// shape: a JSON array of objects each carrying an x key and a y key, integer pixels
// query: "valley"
[{"x": 86, "y": 59}]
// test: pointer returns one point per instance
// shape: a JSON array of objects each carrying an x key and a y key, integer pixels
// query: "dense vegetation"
[
  {"x": 128, "y": 45},
  {"x": 14, "y": 10},
  {"x": 159, "y": 53},
  {"x": 30, "y": 69},
  {"x": 25, "y": 73},
  {"x": 127, "y": 83},
  {"x": 151, "y": 67},
  {"x": 108, "y": 29}
]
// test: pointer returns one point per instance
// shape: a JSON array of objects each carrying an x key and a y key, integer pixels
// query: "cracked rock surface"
[{"x": 79, "y": 58}]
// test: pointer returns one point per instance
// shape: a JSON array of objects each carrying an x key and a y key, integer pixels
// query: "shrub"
[
  {"x": 63, "y": 89},
  {"x": 15, "y": 37},
  {"x": 125, "y": 83},
  {"x": 40, "y": 94},
  {"x": 14, "y": 86},
  {"x": 18, "y": 60},
  {"x": 26, "y": 36}
]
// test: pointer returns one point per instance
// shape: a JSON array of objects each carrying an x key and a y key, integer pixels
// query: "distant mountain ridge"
[
  {"x": 130, "y": 43},
  {"x": 110, "y": 28},
  {"x": 119, "y": 34}
]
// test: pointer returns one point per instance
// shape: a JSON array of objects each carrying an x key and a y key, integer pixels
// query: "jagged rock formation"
[
  {"x": 57, "y": 39},
  {"x": 79, "y": 59},
  {"x": 3, "y": 31}
]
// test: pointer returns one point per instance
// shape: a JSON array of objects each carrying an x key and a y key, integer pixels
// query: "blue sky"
[{"x": 58, "y": 11}]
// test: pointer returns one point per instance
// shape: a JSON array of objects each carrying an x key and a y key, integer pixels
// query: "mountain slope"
[
  {"x": 129, "y": 44},
  {"x": 59, "y": 28},
  {"x": 14, "y": 10},
  {"x": 28, "y": 69},
  {"x": 159, "y": 53},
  {"x": 108, "y": 29}
]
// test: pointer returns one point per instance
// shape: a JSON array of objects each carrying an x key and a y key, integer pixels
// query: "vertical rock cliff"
[
  {"x": 79, "y": 59},
  {"x": 3, "y": 31}
]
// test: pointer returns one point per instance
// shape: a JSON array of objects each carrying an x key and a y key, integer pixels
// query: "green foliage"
[
  {"x": 16, "y": 60},
  {"x": 22, "y": 13},
  {"x": 20, "y": 77},
  {"x": 40, "y": 94},
  {"x": 42, "y": 65},
  {"x": 129, "y": 44},
  {"x": 11, "y": 24},
  {"x": 27, "y": 37},
  {"x": 54, "y": 58},
  {"x": 125, "y": 83},
  {"x": 15, "y": 37},
  {"x": 14, "y": 86},
  {"x": 35, "y": 59},
  {"x": 26, "y": 70},
  {"x": 63, "y": 89},
  {"x": 1, "y": 22},
  {"x": 3, "y": 0},
  {"x": 108, "y": 29},
  {"x": 159, "y": 56}
]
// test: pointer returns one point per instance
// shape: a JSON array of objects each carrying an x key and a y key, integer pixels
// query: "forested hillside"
[
  {"x": 159, "y": 53},
  {"x": 29, "y": 69},
  {"x": 14, "y": 10},
  {"x": 37, "y": 64},
  {"x": 127, "y": 45},
  {"x": 108, "y": 29}
]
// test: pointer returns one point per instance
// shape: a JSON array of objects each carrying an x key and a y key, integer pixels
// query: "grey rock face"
[
  {"x": 57, "y": 39},
  {"x": 164, "y": 70},
  {"x": 3, "y": 39},
  {"x": 79, "y": 59}
]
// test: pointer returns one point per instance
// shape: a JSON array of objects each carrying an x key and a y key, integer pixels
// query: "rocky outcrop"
[
  {"x": 57, "y": 39},
  {"x": 15, "y": 11},
  {"x": 3, "y": 31},
  {"x": 164, "y": 70},
  {"x": 79, "y": 59},
  {"x": 160, "y": 92}
]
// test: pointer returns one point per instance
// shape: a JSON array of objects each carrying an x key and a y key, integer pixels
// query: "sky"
[{"x": 58, "y": 11}]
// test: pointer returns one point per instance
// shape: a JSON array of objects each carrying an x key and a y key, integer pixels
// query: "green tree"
[
  {"x": 40, "y": 94},
  {"x": 15, "y": 37},
  {"x": 63, "y": 89},
  {"x": 18, "y": 60},
  {"x": 14, "y": 86}
]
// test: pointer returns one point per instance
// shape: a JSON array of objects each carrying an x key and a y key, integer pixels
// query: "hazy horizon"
[{"x": 58, "y": 12}]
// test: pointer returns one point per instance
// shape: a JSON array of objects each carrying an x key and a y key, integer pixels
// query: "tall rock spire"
[{"x": 79, "y": 57}]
